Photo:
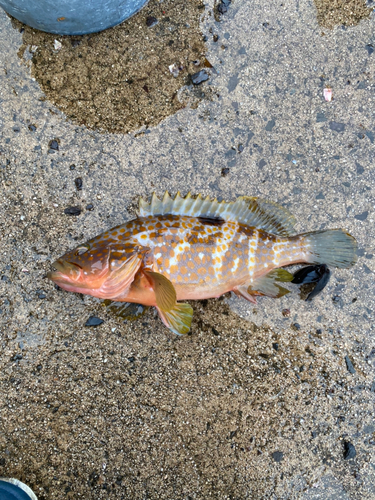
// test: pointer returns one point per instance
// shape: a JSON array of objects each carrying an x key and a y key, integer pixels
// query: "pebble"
[
  {"x": 78, "y": 183},
  {"x": 224, "y": 172},
  {"x": 270, "y": 125},
  {"x": 94, "y": 321},
  {"x": 349, "y": 364},
  {"x": 41, "y": 294},
  {"x": 362, "y": 216},
  {"x": 199, "y": 77},
  {"x": 337, "y": 127},
  {"x": 275, "y": 345},
  {"x": 72, "y": 211},
  {"x": 32, "y": 127},
  {"x": 285, "y": 313},
  {"x": 277, "y": 456},
  {"x": 349, "y": 450},
  {"x": 54, "y": 145},
  {"x": 90, "y": 207},
  {"x": 222, "y": 8},
  {"x": 151, "y": 21}
]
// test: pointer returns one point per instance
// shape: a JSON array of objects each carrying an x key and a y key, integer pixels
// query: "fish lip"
[{"x": 65, "y": 272}]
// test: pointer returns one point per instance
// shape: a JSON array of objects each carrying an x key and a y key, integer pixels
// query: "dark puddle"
[
  {"x": 333, "y": 13},
  {"x": 125, "y": 77}
]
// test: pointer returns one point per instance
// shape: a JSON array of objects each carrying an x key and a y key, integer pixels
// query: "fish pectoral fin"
[
  {"x": 267, "y": 285},
  {"x": 177, "y": 319},
  {"x": 242, "y": 292},
  {"x": 165, "y": 293}
]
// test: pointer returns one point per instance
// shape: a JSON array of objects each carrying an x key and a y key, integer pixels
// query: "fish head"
[
  {"x": 98, "y": 268},
  {"x": 85, "y": 267}
]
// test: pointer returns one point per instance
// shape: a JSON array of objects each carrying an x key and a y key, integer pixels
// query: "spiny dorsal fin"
[{"x": 254, "y": 212}]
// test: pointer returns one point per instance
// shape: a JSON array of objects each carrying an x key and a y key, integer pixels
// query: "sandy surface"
[{"x": 254, "y": 403}]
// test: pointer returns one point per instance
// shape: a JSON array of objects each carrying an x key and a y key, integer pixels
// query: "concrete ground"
[{"x": 258, "y": 402}]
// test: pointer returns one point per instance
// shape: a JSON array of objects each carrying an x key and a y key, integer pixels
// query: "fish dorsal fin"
[{"x": 254, "y": 212}]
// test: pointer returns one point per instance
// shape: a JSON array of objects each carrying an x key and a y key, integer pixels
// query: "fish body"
[{"x": 194, "y": 248}]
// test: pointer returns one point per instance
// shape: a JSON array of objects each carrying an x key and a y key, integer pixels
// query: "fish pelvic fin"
[
  {"x": 334, "y": 247},
  {"x": 268, "y": 284},
  {"x": 177, "y": 319},
  {"x": 255, "y": 212},
  {"x": 241, "y": 291}
]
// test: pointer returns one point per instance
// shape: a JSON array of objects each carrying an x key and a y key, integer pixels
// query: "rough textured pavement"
[{"x": 257, "y": 402}]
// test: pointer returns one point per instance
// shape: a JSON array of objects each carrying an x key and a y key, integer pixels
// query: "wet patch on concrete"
[
  {"x": 333, "y": 13},
  {"x": 125, "y": 77}
]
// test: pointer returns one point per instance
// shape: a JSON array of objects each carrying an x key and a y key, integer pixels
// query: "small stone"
[
  {"x": 151, "y": 21},
  {"x": 285, "y": 313},
  {"x": 277, "y": 456},
  {"x": 215, "y": 38},
  {"x": 90, "y": 207},
  {"x": 131, "y": 359},
  {"x": 54, "y": 145},
  {"x": 200, "y": 77},
  {"x": 94, "y": 321},
  {"x": 72, "y": 167},
  {"x": 78, "y": 183},
  {"x": 349, "y": 450},
  {"x": 41, "y": 294},
  {"x": 224, "y": 172},
  {"x": 73, "y": 211},
  {"x": 270, "y": 125},
  {"x": 369, "y": 48},
  {"x": 275, "y": 345},
  {"x": 362, "y": 216},
  {"x": 337, "y": 127},
  {"x": 349, "y": 365},
  {"x": 32, "y": 127},
  {"x": 240, "y": 148},
  {"x": 57, "y": 45},
  {"x": 296, "y": 326}
]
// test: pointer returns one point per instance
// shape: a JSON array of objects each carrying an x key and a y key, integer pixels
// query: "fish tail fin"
[{"x": 334, "y": 247}]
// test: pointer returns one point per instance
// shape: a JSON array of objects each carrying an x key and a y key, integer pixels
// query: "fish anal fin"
[
  {"x": 268, "y": 284},
  {"x": 177, "y": 319},
  {"x": 254, "y": 212},
  {"x": 165, "y": 292}
]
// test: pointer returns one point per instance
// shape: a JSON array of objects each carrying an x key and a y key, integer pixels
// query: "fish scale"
[{"x": 194, "y": 248}]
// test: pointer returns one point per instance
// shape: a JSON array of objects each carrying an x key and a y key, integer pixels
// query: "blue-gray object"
[
  {"x": 13, "y": 489},
  {"x": 72, "y": 17}
]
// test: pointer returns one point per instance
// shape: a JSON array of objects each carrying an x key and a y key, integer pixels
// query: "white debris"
[
  {"x": 57, "y": 45},
  {"x": 327, "y": 92},
  {"x": 175, "y": 69}
]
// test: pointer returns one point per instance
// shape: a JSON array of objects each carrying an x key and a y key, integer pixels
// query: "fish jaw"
[{"x": 70, "y": 277}]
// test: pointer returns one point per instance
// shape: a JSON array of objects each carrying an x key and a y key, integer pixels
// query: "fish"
[{"x": 191, "y": 248}]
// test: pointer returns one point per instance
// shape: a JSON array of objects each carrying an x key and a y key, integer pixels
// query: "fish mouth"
[{"x": 65, "y": 272}]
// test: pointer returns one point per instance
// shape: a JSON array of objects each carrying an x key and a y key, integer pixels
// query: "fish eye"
[{"x": 81, "y": 250}]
